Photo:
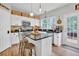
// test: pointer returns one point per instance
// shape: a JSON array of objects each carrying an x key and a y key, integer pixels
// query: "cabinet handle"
[{"x": 8, "y": 32}]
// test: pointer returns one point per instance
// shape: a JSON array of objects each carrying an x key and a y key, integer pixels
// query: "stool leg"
[
  {"x": 22, "y": 51},
  {"x": 35, "y": 51},
  {"x": 30, "y": 54}
]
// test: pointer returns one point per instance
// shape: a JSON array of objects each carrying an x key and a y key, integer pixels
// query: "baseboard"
[
  {"x": 70, "y": 46},
  {"x": 4, "y": 50}
]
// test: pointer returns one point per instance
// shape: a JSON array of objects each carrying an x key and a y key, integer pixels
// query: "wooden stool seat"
[
  {"x": 29, "y": 46},
  {"x": 25, "y": 45}
]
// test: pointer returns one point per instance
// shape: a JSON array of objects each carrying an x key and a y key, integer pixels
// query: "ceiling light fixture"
[
  {"x": 45, "y": 11},
  {"x": 45, "y": 14},
  {"x": 40, "y": 8},
  {"x": 31, "y": 14}
]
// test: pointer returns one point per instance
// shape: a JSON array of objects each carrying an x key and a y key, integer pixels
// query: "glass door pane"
[{"x": 72, "y": 28}]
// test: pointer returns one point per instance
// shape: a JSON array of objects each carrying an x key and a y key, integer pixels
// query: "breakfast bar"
[{"x": 43, "y": 43}]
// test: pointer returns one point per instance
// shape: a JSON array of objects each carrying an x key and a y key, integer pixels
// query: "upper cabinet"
[{"x": 17, "y": 20}]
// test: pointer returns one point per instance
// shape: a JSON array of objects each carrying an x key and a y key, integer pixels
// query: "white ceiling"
[{"x": 26, "y": 7}]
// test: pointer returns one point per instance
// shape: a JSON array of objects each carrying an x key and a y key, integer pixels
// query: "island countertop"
[{"x": 42, "y": 35}]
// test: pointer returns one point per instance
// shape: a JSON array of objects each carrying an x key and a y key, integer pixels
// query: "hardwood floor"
[
  {"x": 61, "y": 51},
  {"x": 57, "y": 51},
  {"x": 13, "y": 51}
]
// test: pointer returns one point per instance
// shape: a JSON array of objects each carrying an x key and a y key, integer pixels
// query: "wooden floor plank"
[{"x": 57, "y": 51}]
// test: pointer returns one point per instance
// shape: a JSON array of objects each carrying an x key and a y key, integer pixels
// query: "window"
[
  {"x": 72, "y": 27},
  {"x": 47, "y": 23},
  {"x": 44, "y": 23}
]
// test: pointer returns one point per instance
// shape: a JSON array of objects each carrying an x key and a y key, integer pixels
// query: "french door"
[
  {"x": 71, "y": 32},
  {"x": 72, "y": 29}
]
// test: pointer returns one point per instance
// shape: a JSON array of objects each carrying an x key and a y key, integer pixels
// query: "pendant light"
[
  {"x": 46, "y": 17},
  {"x": 40, "y": 10},
  {"x": 31, "y": 14},
  {"x": 45, "y": 11},
  {"x": 45, "y": 14}
]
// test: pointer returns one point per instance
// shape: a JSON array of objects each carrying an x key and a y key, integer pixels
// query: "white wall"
[{"x": 69, "y": 8}]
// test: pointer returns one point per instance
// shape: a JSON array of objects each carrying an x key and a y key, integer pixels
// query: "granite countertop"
[{"x": 40, "y": 36}]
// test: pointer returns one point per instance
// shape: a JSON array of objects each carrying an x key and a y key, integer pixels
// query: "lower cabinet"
[
  {"x": 57, "y": 39},
  {"x": 14, "y": 38},
  {"x": 43, "y": 46}
]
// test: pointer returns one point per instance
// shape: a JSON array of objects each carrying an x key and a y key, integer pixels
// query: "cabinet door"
[
  {"x": 14, "y": 38},
  {"x": 46, "y": 46},
  {"x": 4, "y": 28},
  {"x": 15, "y": 20},
  {"x": 57, "y": 39}
]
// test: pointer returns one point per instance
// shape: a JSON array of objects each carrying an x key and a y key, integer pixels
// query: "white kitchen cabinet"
[
  {"x": 14, "y": 38},
  {"x": 17, "y": 20},
  {"x": 4, "y": 28},
  {"x": 57, "y": 39},
  {"x": 47, "y": 46}
]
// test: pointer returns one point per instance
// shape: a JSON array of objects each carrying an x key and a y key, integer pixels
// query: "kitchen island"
[{"x": 43, "y": 43}]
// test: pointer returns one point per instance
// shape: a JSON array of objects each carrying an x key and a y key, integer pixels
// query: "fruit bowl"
[{"x": 35, "y": 33}]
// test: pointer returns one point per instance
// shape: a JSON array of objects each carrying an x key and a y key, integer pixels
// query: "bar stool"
[
  {"x": 25, "y": 45},
  {"x": 31, "y": 47},
  {"x": 22, "y": 47}
]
